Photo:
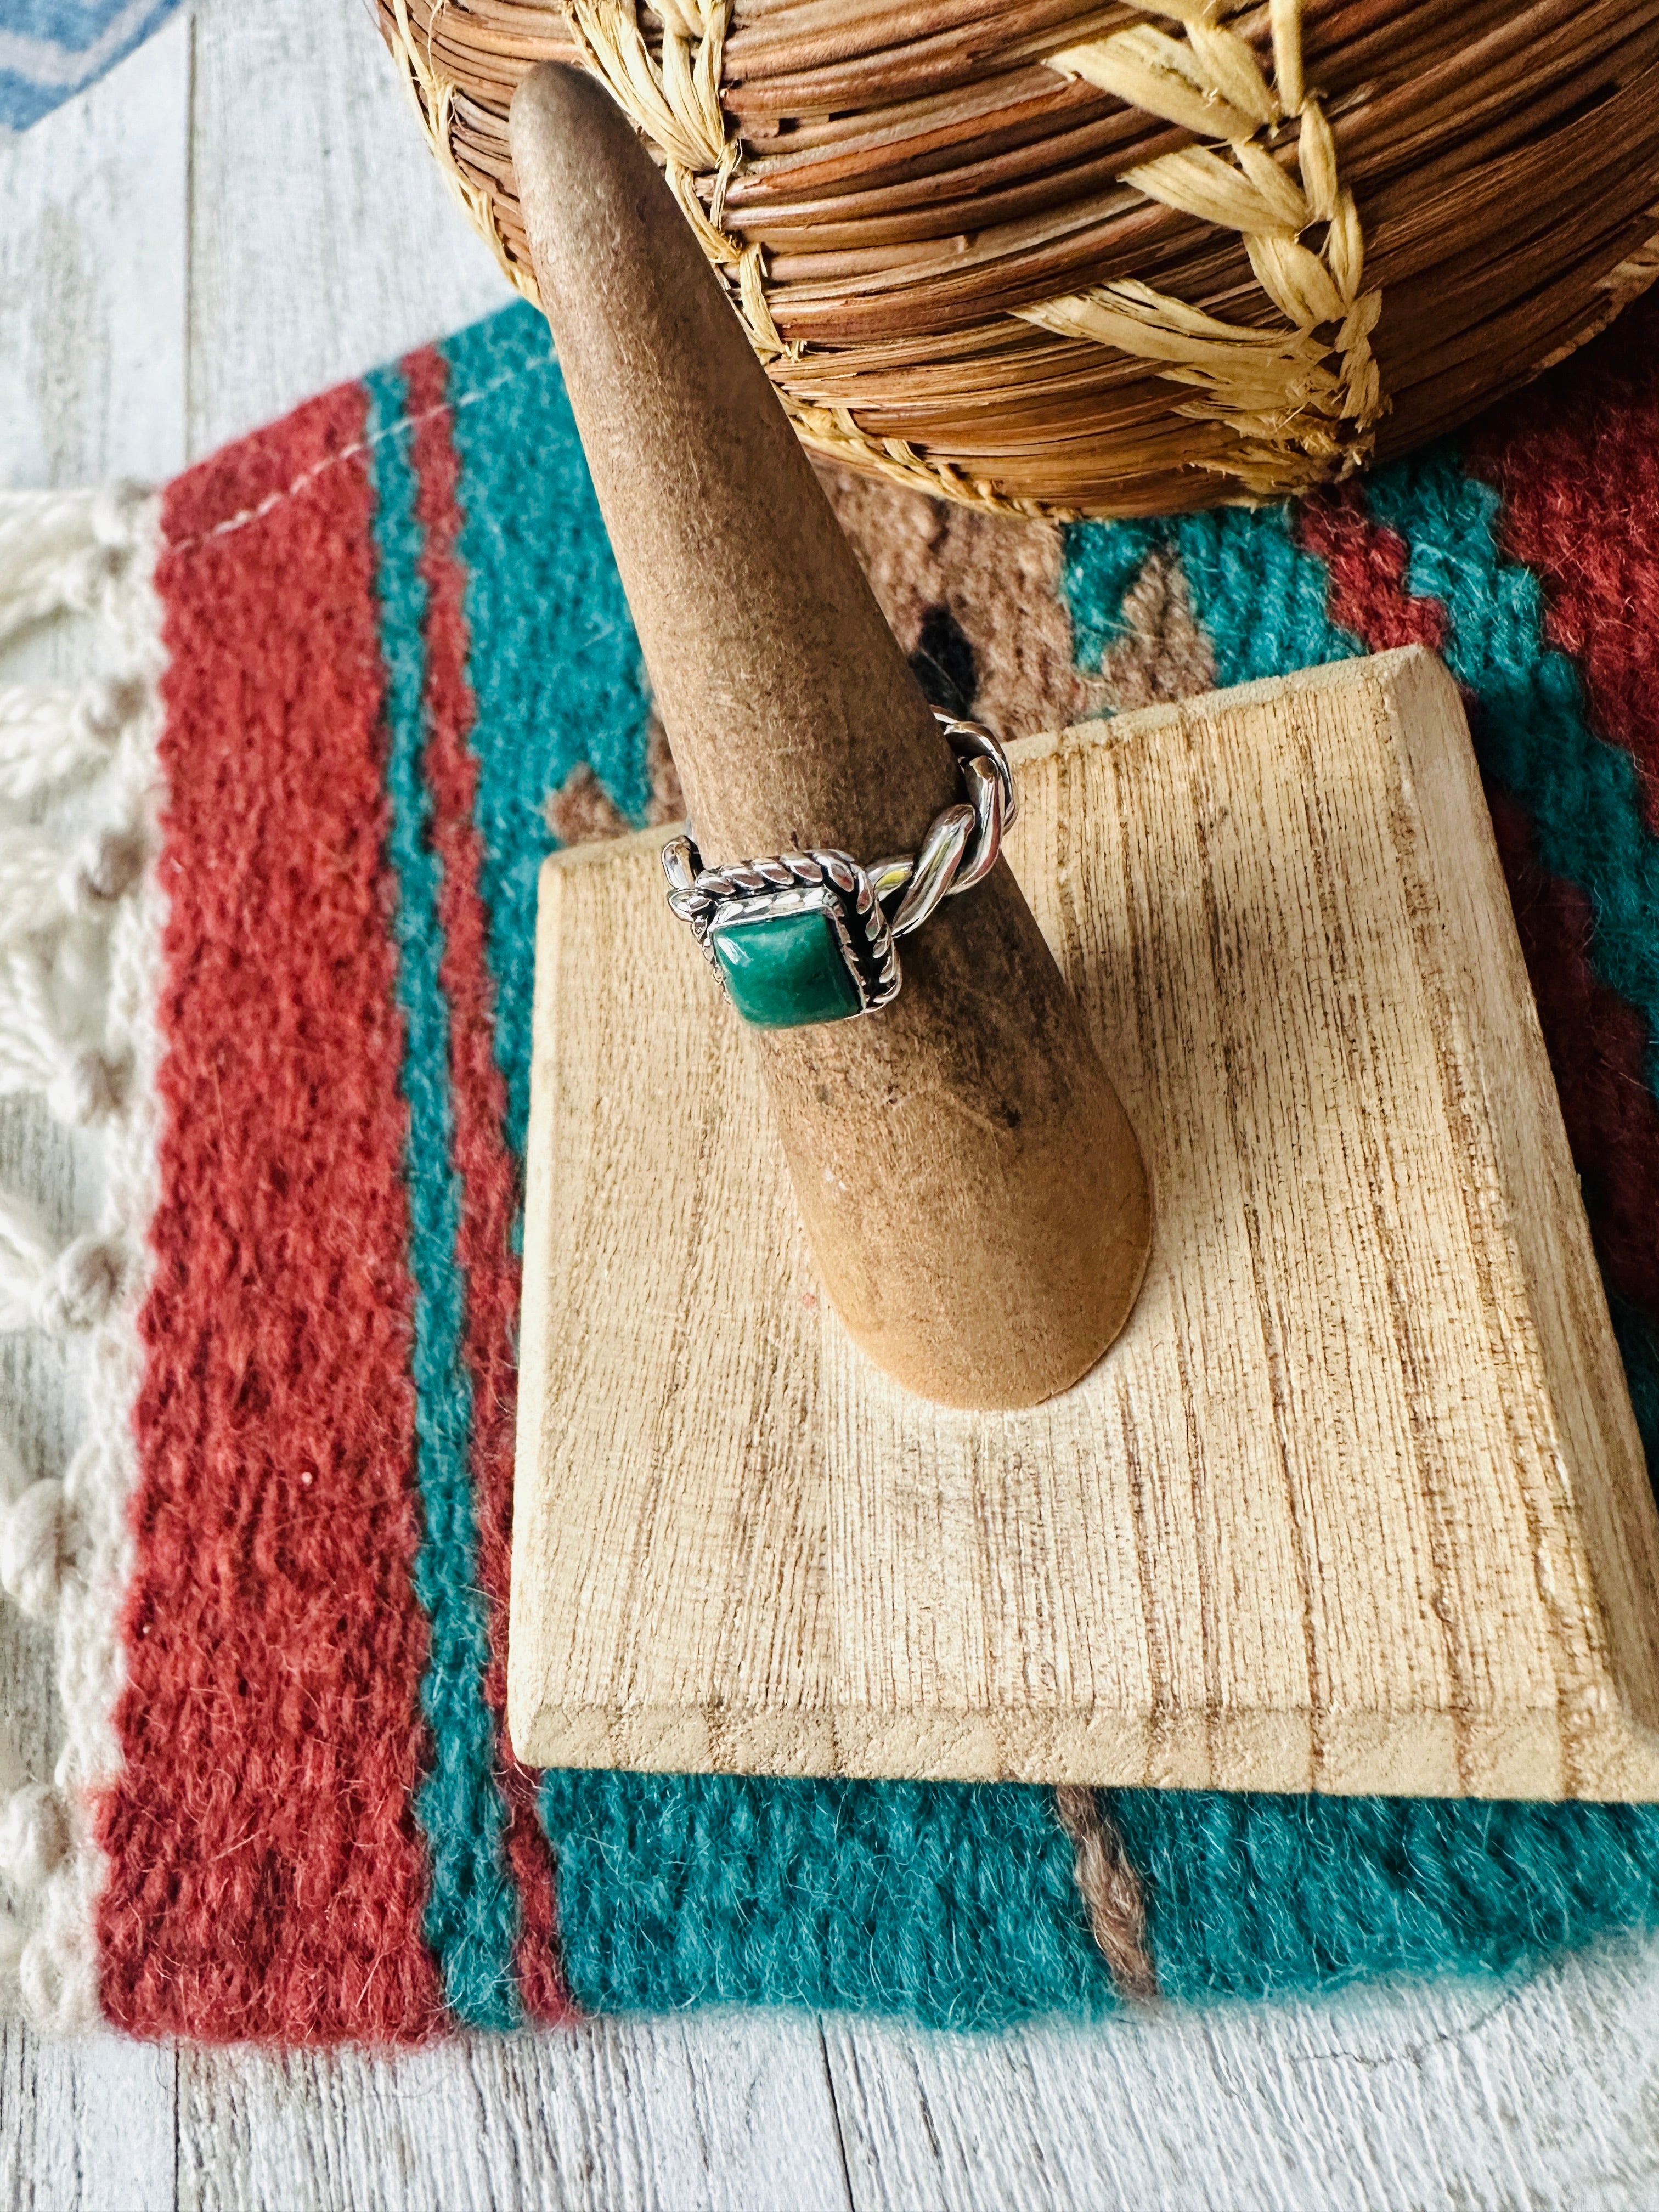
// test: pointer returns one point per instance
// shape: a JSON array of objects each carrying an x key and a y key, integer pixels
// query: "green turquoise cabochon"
[{"x": 784, "y": 970}]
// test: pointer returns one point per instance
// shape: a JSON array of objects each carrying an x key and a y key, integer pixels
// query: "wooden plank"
[
  {"x": 1541, "y": 2092},
  {"x": 615, "y": 2115},
  {"x": 85, "y": 2126},
  {"x": 92, "y": 279},
  {"x": 323, "y": 238},
  {"x": 1356, "y": 1504}
]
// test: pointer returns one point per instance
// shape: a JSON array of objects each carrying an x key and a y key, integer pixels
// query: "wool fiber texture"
[{"x": 399, "y": 670}]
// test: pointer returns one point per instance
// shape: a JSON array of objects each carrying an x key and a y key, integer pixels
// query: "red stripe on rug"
[
  {"x": 1597, "y": 1042},
  {"x": 267, "y": 1877},
  {"x": 1576, "y": 458},
  {"x": 478, "y": 1103},
  {"x": 1367, "y": 564}
]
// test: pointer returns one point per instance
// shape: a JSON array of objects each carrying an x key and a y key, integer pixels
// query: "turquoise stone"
[{"x": 784, "y": 970}]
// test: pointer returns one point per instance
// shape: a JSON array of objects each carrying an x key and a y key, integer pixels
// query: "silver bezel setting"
[
  {"x": 827, "y": 882},
  {"x": 961, "y": 847}
]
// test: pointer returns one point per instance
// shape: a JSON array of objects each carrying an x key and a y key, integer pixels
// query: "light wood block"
[{"x": 1356, "y": 1504}]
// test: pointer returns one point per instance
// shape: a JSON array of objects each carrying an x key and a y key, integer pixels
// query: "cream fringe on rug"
[{"x": 81, "y": 914}]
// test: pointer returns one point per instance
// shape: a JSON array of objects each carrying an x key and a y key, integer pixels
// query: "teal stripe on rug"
[
  {"x": 953, "y": 1903},
  {"x": 1257, "y": 596},
  {"x": 472, "y": 1915},
  {"x": 563, "y": 680},
  {"x": 1583, "y": 795},
  {"x": 1255, "y": 1896}
]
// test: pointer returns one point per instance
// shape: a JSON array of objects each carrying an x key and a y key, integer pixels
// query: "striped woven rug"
[{"x": 265, "y": 927}]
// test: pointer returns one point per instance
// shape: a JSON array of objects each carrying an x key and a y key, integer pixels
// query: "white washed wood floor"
[{"x": 243, "y": 213}]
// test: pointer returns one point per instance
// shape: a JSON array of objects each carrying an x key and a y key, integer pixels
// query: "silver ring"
[{"x": 798, "y": 938}]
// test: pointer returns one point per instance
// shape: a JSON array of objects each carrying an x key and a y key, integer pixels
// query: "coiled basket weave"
[{"x": 1076, "y": 260}]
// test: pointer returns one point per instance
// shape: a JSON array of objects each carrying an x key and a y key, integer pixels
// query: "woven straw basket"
[{"x": 1071, "y": 260}]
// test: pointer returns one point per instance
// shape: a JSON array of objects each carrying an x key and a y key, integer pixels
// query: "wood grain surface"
[
  {"x": 320, "y": 241},
  {"x": 1357, "y": 1501},
  {"x": 1535, "y": 2098}
]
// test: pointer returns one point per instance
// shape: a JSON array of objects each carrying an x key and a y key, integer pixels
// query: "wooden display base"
[{"x": 1356, "y": 1504}]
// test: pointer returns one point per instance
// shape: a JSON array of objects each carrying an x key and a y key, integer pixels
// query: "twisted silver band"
[
  {"x": 959, "y": 850},
  {"x": 962, "y": 842}
]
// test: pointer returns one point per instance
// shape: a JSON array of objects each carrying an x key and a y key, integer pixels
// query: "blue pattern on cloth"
[{"x": 50, "y": 50}]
